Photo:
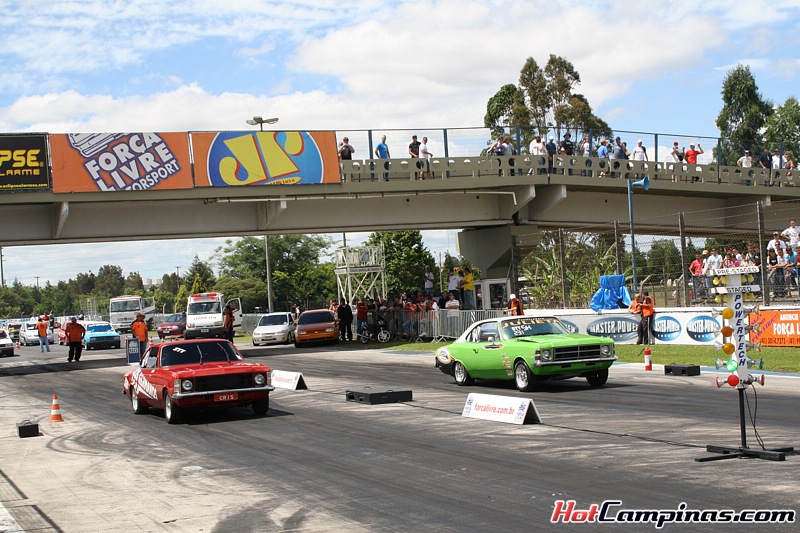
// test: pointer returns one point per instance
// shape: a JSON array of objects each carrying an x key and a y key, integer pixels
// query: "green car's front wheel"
[
  {"x": 598, "y": 379},
  {"x": 461, "y": 374},
  {"x": 525, "y": 380}
]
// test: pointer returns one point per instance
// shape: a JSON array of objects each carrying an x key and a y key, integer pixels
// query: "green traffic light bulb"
[{"x": 731, "y": 365}]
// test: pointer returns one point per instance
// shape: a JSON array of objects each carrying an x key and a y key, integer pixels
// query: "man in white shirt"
[
  {"x": 453, "y": 280},
  {"x": 639, "y": 152},
  {"x": 426, "y": 156},
  {"x": 792, "y": 233},
  {"x": 776, "y": 243},
  {"x": 711, "y": 263},
  {"x": 746, "y": 161}
]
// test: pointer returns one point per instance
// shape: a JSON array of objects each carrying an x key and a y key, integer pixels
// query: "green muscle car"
[{"x": 528, "y": 350}]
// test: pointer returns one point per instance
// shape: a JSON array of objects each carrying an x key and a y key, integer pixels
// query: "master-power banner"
[
  {"x": 265, "y": 158},
  {"x": 85, "y": 162},
  {"x": 23, "y": 163}
]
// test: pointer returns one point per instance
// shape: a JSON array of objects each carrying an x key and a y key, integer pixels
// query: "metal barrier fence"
[
  {"x": 476, "y": 166},
  {"x": 438, "y": 325},
  {"x": 563, "y": 269}
]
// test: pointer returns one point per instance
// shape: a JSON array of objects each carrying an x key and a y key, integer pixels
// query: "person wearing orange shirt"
[
  {"x": 514, "y": 306},
  {"x": 139, "y": 330},
  {"x": 647, "y": 308},
  {"x": 44, "y": 340},
  {"x": 75, "y": 333}
]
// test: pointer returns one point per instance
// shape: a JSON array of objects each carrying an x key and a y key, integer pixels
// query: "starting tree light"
[
  {"x": 755, "y": 363},
  {"x": 756, "y": 346},
  {"x": 756, "y": 379}
]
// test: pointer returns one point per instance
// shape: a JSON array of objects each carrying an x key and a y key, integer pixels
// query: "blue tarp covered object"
[{"x": 612, "y": 294}]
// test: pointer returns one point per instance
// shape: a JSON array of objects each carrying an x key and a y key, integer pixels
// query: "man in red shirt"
[
  {"x": 691, "y": 157},
  {"x": 75, "y": 333}
]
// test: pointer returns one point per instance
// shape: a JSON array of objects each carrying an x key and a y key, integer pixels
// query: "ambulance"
[{"x": 204, "y": 315}]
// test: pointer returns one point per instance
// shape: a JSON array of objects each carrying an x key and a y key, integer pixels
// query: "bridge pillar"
[{"x": 496, "y": 251}]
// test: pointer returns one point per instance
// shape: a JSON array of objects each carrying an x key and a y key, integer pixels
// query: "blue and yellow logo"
[{"x": 264, "y": 158}]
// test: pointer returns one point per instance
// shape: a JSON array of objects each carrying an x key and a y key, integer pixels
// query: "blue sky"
[{"x": 149, "y": 65}]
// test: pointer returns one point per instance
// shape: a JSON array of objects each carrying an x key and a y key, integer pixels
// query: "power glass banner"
[{"x": 23, "y": 163}]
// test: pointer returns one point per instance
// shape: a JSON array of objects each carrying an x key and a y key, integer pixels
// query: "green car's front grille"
[{"x": 565, "y": 353}]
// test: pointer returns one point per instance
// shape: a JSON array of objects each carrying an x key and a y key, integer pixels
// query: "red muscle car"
[{"x": 187, "y": 374}]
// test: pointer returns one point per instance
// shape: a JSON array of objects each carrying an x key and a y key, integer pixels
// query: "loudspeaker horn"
[{"x": 644, "y": 183}]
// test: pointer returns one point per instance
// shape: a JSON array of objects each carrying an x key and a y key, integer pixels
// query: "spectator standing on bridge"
[
  {"x": 678, "y": 153},
  {"x": 426, "y": 155},
  {"x": 778, "y": 161},
  {"x": 74, "y": 331},
  {"x": 618, "y": 152},
  {"x": 139, "y": 332},
  {"x": 567, "y": 147},
  {"x": 746, "y": 161},
  {"x": 382, "y": 152},
  {"x": 537, "y": 146},
  {"x": 639, "y": 152},
  {"x": 765, "y": 161},
  {"x": 44, "y": 340},
  {"x": 552, "y": 149},
  {"x": 345, "y": 154},
  {"x": 691, "y": 157},
  {"x": 413, "y": 148}
]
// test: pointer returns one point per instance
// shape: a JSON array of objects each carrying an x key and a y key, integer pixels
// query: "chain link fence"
[{"x": 563, "y": 269}]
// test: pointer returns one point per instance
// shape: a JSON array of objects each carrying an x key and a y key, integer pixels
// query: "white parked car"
[
  {"x": 6, "y": 344},
  {"x": 275, "y": 328},
  {"x": 29, "y": 336}
]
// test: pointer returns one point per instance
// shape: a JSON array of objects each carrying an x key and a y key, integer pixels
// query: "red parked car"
[{"x": 187, "y": 374}]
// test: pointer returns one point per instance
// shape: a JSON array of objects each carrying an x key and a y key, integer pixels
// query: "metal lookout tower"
[{"x": 361, "y": 271}]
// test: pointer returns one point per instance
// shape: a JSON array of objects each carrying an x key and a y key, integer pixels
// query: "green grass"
[{"x": 775, "y": 359}]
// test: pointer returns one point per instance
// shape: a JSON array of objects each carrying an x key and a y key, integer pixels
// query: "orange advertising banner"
[
  {"x": 235, "y": 158},
  {"x": 778, "y": 328},
  {"x": 86, "y": 162}
]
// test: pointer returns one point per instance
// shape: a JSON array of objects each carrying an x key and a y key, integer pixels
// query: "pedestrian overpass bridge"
[{"x": 493, "y": 199}]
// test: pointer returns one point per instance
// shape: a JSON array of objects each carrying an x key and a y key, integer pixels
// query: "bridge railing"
[{"x": 592, "y": 167}]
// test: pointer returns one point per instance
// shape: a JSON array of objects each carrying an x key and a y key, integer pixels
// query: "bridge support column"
[{"x": 496, "y": 251}]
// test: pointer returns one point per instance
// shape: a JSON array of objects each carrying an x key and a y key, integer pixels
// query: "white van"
[{"x": 204, "y": 315}]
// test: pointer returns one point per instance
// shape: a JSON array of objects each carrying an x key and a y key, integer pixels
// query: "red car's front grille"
[{"x": 223, "y": 382}]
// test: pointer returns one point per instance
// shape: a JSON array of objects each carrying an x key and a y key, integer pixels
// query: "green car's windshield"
[{"x": 529, "y": 326}]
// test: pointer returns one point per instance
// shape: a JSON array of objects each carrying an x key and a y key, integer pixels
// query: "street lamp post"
[
  {"x": 261, "y": 121},
  {"x": 257, "y": 120}
]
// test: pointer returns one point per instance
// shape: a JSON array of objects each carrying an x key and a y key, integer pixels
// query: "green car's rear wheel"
[
  {"x": 461, "y": 374},
  {"x": 525, "y": 380},
  {"x": 598, "y": 379}
]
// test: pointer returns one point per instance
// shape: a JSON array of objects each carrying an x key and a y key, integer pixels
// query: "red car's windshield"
[{"x": 191, "y": 353}]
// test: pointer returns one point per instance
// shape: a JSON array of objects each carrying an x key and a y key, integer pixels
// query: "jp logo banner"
[
  {"x": 23, "y": 163},
  {"x": 265, "y": 158},
  {"x": 84, "y": 162}
]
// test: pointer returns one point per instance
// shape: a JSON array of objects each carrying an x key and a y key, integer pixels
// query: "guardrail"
[{"x": 455, "y": 167}]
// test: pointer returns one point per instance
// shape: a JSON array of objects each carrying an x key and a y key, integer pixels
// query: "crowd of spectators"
[{"x": 780, "y": 263}]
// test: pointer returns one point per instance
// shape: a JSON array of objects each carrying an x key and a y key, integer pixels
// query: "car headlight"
[
  {"x": 329, "y": 330},
  {"x": 259, "y": 379},
  {"x": 605, "y": 349},
  {"x": 187, "y": 385},
  {"x": 443, "y": 355},
  {"x": 547, "y": 355}
]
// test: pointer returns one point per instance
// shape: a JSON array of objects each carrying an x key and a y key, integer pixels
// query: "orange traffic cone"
[
  {"x": 55, "y": 412},
  {"x": 648, "y": 361}
]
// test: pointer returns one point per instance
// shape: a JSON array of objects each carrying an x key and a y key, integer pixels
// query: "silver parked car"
[
  {"x": 29, "y": 335},
  {"x": 275, "y": 328}
]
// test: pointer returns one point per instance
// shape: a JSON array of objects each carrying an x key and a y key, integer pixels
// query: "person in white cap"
[
  {"x": 514, "y": 307},
  {"x": 639, "y": 152}
]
